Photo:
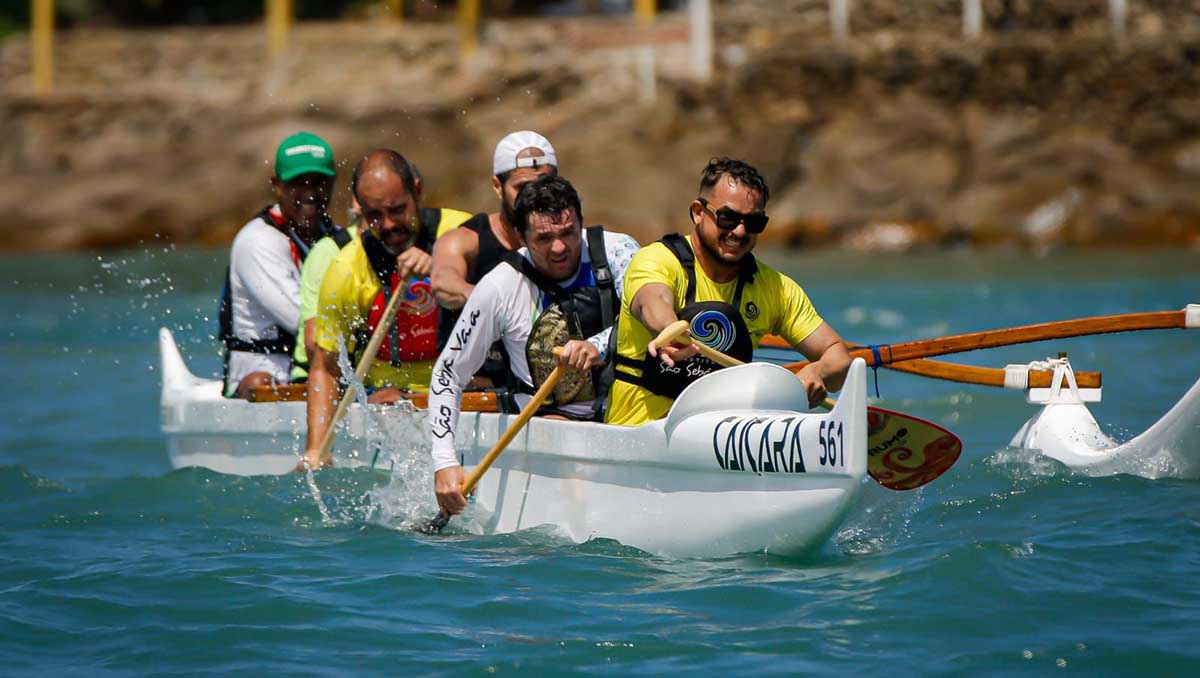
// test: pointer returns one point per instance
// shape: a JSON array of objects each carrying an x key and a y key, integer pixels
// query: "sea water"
[{"x": 113, "y": 563}]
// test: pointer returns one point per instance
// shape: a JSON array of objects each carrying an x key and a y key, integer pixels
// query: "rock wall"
[{"x": 1044, "y": 132}]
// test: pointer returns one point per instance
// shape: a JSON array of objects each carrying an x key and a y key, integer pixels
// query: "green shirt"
[{"x": 312, "y": 274}]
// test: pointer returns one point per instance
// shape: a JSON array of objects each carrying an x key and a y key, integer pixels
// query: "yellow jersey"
[{"x": 348, "y": 292}]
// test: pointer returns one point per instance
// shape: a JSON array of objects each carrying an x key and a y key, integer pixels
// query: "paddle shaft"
[
  {"x": 1061, "y": 329},
  {"x": 523, "y": 418},
  {"x": 364, "y": 366},
  {"x": 443, "y": 518}
]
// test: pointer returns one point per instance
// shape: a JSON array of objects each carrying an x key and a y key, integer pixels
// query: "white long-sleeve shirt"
[
  {"x": 264, "y": 287},
  {"x": 504, "y": 305}
]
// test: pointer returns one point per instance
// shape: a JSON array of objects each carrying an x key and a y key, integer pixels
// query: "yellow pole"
[
  {"x": 644, "y": 11},
  {"x": 395, "y": 9},
  {"x": 279, "y": 20},
  {"x": 42, "y": 36},
  {"x": 468, "y": 27}
]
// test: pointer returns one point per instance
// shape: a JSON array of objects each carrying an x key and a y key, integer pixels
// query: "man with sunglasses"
[
  {"x": 390, "y": 257},
  {"x": 711, "y": 279}
]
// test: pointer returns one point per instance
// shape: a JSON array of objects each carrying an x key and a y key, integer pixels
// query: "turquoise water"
[{"x": 112, "y": 563}]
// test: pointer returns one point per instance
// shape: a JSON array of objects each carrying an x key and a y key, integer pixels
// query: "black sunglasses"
[{"x": 727, "y": 219}]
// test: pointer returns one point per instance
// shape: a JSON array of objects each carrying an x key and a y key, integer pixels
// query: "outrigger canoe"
[{"x": 738, "y": 465}]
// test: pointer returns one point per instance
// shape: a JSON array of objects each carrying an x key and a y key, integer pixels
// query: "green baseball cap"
[{"x": 303, "y": 153}]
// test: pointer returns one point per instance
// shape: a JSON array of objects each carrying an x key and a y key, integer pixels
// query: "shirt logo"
[
  {"x": 751, "y": 310},
  {"x": 714, "y": 329}
]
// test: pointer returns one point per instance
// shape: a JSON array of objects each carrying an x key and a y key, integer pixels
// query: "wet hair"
[
  {"x": 391, "y": 159},
  {"x": 741, "y": 172},
  {"x": 548, "y": 194}
]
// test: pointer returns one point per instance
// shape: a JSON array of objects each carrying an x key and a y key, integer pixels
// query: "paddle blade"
[
  {"x": 904, "y": 452},
  {"x": 435, "y": 526}
]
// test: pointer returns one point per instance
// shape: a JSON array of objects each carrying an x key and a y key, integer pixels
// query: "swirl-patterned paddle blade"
[{"x": 904, "y": 452}]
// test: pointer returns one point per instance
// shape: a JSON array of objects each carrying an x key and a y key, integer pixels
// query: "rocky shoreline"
[{"x": 1036, "y": 137}]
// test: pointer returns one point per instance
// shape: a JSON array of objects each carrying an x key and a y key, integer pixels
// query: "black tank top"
[
  {"x": 491, "y": 250},
  {"x": 491, "y": 253}
]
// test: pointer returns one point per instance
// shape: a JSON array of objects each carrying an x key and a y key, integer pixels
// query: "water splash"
[
  {"x": 1025, "y": 464},
  {"x": 311, "y": 483},
  {"x": 879, "y": 520},
  {"x": 407, "y": 501},
  {"x": 397, "y": 438}
]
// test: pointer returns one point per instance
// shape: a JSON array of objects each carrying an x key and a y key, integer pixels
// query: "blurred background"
[{"x": 1034, "y": 125}]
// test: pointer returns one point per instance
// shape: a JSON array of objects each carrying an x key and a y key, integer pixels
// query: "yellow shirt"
[
  {"x": 772, "y": 304},
  {"x": 347, "y": 293},
  {"x": 312, "y": 274}
]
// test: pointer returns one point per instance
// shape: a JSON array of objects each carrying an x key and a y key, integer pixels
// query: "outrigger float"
[{"x": 1064, "y": 429}]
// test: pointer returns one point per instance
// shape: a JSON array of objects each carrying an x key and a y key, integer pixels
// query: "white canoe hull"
[
  {"x": 702, "y": 482},
  {"x": 733, "y": 468},
  {"x": 1066, "y": 431}
]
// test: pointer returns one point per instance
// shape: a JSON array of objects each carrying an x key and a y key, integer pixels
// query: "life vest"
[
  {"x": 716, "y": 323},
  {"x": 341, "y": 237},
  {"x": 579, "y": 311},
  {"x": 428, "y": 218},
  {"x": 413, "y": 335}
]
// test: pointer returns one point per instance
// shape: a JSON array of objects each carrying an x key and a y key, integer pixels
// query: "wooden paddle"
[
  {"x": 1060, "y": 329},
  {"x": 903, "y": 452},
  {"x": 514, "y": 428},
  {"x": 364, "y": 366}
]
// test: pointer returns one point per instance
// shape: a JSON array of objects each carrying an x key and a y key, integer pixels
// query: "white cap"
[{"x": 505, "y": 157}]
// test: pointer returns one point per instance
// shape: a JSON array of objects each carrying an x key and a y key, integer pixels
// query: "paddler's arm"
[
  {"x": 310, "y": 337},
  {"x": 451, "y": 252},
  {"x": 323, "y": 394},
  {"x": 329, "y": 330},
  {"x": 654, "y": 307},
  {"x": 465, "y": 352},
  {"x": 830, "y": 361}
]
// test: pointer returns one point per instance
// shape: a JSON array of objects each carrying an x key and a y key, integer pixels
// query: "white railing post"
[
  {"x": 1118, "y": 10},
  {"x": 644, "y": 12},
  {"x": 972, "y": 19},
  {"x": 700, "y": 23},
  {"x": 839, "y": 21}
]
